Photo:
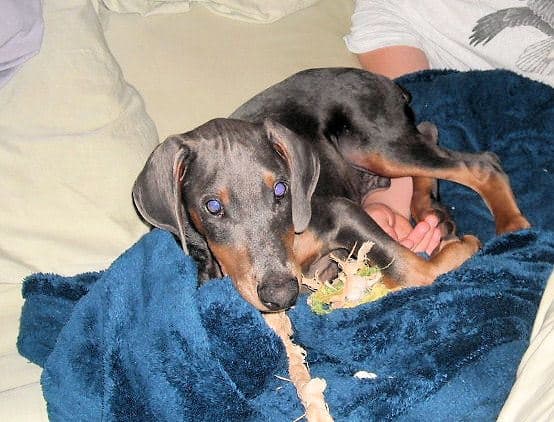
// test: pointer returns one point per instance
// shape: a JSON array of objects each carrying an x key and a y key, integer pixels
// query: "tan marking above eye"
[
  {"x": 225, "y": 196},
  {"x": 269, "y": 179}
]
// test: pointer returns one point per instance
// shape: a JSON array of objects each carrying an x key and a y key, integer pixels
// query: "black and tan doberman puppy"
[{"x": 269, "y": 193}]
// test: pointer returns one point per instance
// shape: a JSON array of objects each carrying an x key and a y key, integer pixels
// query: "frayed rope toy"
[{"x": 358, "y": 282}]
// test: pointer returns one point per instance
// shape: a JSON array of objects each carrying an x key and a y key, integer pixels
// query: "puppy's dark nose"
[{"x": 277, "y": 296}]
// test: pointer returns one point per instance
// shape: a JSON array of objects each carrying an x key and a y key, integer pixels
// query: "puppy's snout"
[{"x": 278, "y": 296}]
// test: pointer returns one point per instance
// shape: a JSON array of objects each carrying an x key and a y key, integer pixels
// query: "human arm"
[{"x": 394, "y": 61}]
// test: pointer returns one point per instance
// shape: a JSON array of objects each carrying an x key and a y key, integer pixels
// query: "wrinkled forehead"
[{"x": 235, "y": 156}]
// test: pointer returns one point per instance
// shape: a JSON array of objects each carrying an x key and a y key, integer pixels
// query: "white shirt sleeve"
[
  {"x": 512, "y": 35},
  {"x": 380, "y": 23}
]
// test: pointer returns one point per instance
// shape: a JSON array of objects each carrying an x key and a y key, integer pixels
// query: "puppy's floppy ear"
[
  {"x": 303, "y": 163},
  {"x": 157, "y": 190}
]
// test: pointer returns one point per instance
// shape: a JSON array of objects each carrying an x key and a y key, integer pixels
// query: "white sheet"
[
  {"x": 21, "y": 29},
  {"x": 74, "y": 134},
  {"x": 259, "y": 11},
  {"x": 532, "y": 396},
  {"x": 73, "y": 137}
]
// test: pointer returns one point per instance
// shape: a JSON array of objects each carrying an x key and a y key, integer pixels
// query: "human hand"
[{"x": 424, "y": 237}]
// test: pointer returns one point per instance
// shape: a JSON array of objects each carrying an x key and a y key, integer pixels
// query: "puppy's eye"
[
  {"x": 214, "y": 207},
  {"x": 280, "y": 189}
]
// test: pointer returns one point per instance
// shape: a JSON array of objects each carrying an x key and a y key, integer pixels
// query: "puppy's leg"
[
  {"x": 425, "y": 201},
  {"x": 482, "y": 173},
  {"x": 343, "y": 225},
  {"x": 425, "y": 197},
  {"x": 417, "y": 157}
]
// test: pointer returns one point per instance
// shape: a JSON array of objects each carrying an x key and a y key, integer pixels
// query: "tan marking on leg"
[
  {"x": 423, "y": 204},
  {"x": 421, "y": 198},
  {"x": 494, "y": 187},
  {"x": 307, "y": 248},
  {"x": 416, "y": 271},
  {"x": 479, "y": 175}
]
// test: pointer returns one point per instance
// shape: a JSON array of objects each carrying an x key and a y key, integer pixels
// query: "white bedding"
[
  {"x": 532, "y": 396},
  {"x": 21, "y": 29},
  {"x": 74, "y": 134},
  {"x": 261, "y": 11}
]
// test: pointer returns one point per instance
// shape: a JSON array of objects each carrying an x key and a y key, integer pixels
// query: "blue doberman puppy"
[{"x": 269, "y": 193}]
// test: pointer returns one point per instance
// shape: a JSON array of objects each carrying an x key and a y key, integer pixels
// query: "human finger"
[
  {"x": 384, "y": 217},
  {"x": 434, "y": 241}
]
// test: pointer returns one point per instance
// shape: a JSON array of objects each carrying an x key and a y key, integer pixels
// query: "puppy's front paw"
[
  {"x": 471, "y": 244},
  {"x": 446, "y": 224}
]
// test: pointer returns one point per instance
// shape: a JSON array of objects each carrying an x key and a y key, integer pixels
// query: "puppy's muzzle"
[{"x": 279, "y": 295}]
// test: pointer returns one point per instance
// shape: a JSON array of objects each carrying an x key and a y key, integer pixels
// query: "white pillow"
[
  {"x": 262, "y": 11},
  {"x": 147, "y": 7},
  {"x": 73, "y": 137},
  {"x": 21, "y": 29},
  {"x": 532, "y": 396}
]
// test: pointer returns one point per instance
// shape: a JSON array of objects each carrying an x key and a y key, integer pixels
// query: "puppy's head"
[{"x": 236, "y": 193}]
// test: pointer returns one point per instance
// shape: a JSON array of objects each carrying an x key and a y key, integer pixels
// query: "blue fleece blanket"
[{"x": 140, "y": 341}]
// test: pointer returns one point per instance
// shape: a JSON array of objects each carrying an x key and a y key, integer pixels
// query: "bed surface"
[
  {"x": 105, "y": 88},
  {"x": 92, "y": 96}
]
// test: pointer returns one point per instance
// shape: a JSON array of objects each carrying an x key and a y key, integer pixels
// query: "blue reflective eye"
[
  {"x": 280, "y": 189},
  {"x": 214, "y": 207}
]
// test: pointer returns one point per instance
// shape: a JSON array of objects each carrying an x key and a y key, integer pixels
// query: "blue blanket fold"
[
  {"x": 148, "y": 345},
  {"x": 141, "y": 341}
]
